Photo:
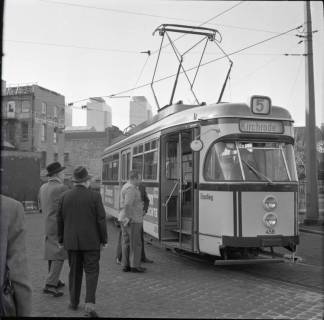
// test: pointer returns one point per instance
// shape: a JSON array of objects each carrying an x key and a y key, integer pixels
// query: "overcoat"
[
  {"x": 81, "y": 219},
  {"x": 13, "y": 252},
  {"x": 49, "y": 195}
]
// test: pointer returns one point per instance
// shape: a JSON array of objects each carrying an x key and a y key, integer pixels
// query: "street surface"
[{"x": 180, "y": 287}]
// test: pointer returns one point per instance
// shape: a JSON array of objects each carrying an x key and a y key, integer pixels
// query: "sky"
[{"x": 91, "y": 48}]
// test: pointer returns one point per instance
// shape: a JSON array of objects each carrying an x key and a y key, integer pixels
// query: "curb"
[{"x": 311, "y": 231}]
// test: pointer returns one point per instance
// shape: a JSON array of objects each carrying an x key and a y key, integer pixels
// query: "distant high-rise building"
[
  {"x": 98, "y": 114},
  {"x": 68, "y": 116},
  {"x": 139, "y": 110}
]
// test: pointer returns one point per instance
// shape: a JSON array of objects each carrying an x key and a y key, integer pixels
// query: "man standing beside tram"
[{"x": 131, "y": 218}]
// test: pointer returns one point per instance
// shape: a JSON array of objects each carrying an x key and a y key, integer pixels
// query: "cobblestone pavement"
[{"x": 173, "y": 286}]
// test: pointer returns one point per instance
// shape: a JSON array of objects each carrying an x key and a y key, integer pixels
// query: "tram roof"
[{"x": 175, "y": 115}]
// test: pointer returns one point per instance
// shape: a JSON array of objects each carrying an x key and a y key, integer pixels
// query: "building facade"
[
  {"x": 33, "y": 120},
  {"x": 84, "y": 147},
  {"x": 139, "y": 110}
]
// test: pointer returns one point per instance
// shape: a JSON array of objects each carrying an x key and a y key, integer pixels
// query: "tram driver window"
[{"x": 222, "y": 163}]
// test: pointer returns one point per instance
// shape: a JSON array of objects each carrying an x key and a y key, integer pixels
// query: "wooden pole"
[{"x": 312, "y": 214}]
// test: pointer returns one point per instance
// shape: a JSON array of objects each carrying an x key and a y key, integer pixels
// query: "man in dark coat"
[
  {"x": 82, "y": 231},
  {"x": 49, "y": 195}
]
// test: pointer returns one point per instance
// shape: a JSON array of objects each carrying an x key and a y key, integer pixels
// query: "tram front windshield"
[{"x": 250, "y": 161}]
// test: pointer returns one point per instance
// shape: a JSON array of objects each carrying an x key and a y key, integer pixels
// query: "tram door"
[{"x": 177, "y": 189}]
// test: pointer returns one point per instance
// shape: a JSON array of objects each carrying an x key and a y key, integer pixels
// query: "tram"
[{"x": 221, "y": 178}]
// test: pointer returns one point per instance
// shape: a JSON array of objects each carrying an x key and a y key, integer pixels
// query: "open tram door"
[{"x": 178, "y": 173}]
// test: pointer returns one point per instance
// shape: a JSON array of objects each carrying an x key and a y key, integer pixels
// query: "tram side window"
[
  {"x": 138, "y": 164},
  {"x": 110, "y": 168},
  {"x": 125, "y": 166},
  {"x": 145, "y": 160},
  {"x": 150, "y": 165}
]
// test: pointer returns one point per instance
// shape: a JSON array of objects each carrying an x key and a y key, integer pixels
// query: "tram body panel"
[
  {"x": 253, "y": 213},
  {"x": 216, "y": 213},
  {"x": 215, "y": 219},
  {"x": 151, "y": 219}
]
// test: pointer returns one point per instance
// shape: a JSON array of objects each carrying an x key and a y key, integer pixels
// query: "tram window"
[
  {"x": 222, "y": 163},
  {"x": 147, "y": 146},
  {"x": 138, "y": 164},
  {"x": 272, "y": 161},
  {"x": 150, "y": 165},
  {"x": 110, "y": 168},
  {"x": 153, "y": 144}
]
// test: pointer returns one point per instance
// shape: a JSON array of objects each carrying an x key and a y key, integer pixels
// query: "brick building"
[
  {"x": 33, "y": 120},
  {"x": 84, "y": 146}
]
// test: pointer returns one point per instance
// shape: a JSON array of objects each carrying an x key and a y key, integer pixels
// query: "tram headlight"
[
  {"x": 270, "y": 220},
  {"x": 270, "y": 203}
]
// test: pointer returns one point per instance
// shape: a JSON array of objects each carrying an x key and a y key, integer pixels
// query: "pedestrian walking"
[
  {"x": 131, "y": 218},
  {"x": 82, "y": 231},
  {"x": 49, "y": 195},
  {"x": 16, "y": 292}
]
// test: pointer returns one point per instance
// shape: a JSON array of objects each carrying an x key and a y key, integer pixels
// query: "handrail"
[{"x": 166, "y": 202}]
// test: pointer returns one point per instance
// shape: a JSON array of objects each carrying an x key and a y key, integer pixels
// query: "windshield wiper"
[{"x": 255, "y": 171}]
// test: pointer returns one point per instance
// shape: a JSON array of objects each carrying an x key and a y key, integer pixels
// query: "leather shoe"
[
  {"x": 126, "y": 269},
  {"x": 60, "y": 284},
  {"x": 146, "y": 260},
  {"x": 139, "y": 269},
  {"x": 91, "y": 314},
  {"x": 53, "y": 291},
  {"x": 73, "y": 306}
]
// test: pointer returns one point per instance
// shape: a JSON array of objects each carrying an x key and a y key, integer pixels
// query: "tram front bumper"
[{"x": 260, "y": 241}]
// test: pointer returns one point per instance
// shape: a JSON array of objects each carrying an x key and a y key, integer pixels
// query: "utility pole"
[{"x": 312, "y": 214}]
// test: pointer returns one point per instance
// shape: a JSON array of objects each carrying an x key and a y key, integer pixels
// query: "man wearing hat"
[
  {"x": 49, "y": 195},
  {"x": 82, "y": 230}
]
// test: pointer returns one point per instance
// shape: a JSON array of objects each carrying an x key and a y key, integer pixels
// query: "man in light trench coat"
[{"x": 49, "y": 195}]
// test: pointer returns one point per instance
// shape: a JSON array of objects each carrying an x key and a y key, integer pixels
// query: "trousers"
[
  {"x": 89, "y": 262},
  {"x": 131, "y": 245},
  {"x": 119, "y": 246},
  {"x": 54, "y": 271}
]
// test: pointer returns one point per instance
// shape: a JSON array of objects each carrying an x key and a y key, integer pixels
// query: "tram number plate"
[{"x": 261, "y": 126}]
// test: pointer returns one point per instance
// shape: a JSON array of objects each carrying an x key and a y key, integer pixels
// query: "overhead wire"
[
  {"x": 156, "y": 16},
  {"x": 206, "y": 63}
]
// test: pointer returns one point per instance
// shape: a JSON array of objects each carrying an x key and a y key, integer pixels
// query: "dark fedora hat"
[
  {"x": 80, "y": 174},
  {"x": 54, "y": 167}
]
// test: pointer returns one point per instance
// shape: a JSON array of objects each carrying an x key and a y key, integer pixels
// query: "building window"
[
  {"x": 55, "y": 157},
  {"x": 43, "y": 132},
  {"x": 11, "y": 105},
  {"x": 43, "y": 159},
  {"x": 55, "y": 111},
  {"x": 54, "y": 137},
  {"x": 44, "y": 108},
  {"x": 24, "y": 130},
  {"x": 66, "y": 158},
  {"x": 25, "y": 106}
]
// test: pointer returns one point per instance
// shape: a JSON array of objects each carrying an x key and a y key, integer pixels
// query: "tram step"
[
  {"x": 183, "y": 231},
  {"x": 176, "y": 244}
]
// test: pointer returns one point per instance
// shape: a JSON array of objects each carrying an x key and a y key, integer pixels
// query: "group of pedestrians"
[{"x": 76, "y": 230}]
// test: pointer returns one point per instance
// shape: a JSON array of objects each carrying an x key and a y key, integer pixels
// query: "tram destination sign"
[{"x": 262, "y": 126}]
